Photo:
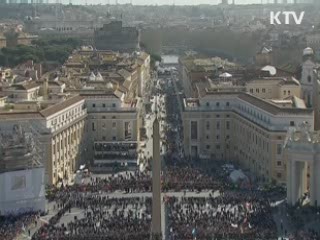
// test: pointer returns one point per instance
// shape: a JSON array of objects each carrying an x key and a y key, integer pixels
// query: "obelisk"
[{"x": 156, "y": 183}]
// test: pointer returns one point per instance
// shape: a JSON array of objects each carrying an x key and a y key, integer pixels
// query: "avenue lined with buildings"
[{"x": 114, "y": 145}]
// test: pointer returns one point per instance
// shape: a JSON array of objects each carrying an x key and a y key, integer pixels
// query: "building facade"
[
  {"x": 111, "y": 131},
  {"x": 303, "y": 164},
  {"x": 123, "y": 39},
  {"x": 240, "y": 128},
  {"x": 59, "y": 128}
]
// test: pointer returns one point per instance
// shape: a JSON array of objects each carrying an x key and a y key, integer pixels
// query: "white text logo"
[{"x": 274, "y": 17}]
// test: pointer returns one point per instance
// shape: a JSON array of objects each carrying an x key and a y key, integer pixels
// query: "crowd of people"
[
  {"x": 103, "y": 218},
  {"x": 15, "y": 224},
  {"x": 189, "y": 178},
  {"x": 127, "y": 182},
  {"x": 232, "y": 215}
]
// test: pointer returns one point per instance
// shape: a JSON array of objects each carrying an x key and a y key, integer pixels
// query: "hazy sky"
[{"x": 162, "y": 2}]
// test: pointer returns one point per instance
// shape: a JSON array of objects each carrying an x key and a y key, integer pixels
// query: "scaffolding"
[{"x": 19, "y": 148}]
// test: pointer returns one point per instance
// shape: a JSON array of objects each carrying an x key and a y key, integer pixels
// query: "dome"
[{"x": 308, "y": 51}]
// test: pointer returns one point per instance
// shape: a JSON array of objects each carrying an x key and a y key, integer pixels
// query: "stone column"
[
  {"x": 289, "y": 182},
  {"x": 314, "y": 183},
  {"x": 293, "y": 183},
  {"x": 156, "y": 183}
]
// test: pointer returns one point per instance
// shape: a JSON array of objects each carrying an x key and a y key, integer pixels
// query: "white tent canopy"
[
  {"x": 237, "y": 175},
  {"x": 225, "y": 75}
]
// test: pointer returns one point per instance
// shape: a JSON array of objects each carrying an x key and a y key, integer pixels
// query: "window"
[
  {"x": 227, "y": 125},
  {"x": 289, "y": 92},
  {"x": 127, "y": 130},
  {"x": 263, "y": 90},
  {"x": 218, "y": 104},
  {"x": 309, "y": 78},
  {"x": 218, "y": 137},
  {"x": 257, "y": 90},
  {"x": 93, "y": 105},
  {"x": 113, "y": 117},
  {"x": 208, "y": 137},
  {"x": 114, "y": 138},
  {"x": 103, "y": 117},
  {"x": 208, "y": 104},
  {"x": 217, "y": 116},
  {"x": 291, "y": 123},
  {"x": 114, "y": 124},
  {"x": 279, "y": 163},
  {"x": 279, "y": 149},
  {"x": 284, "y": 92},
  {"x": 251, "y": 90},
  {"x": 194, "y": 130},
  {"x": 208, "y": 125},
  {"x": 279, "y": 175},
  {"x": 218, "y": 146},
  {"x": 93, "y": 127},
  {"x": 104, "y": 105},
  {"x": 227, "y": 116},
  {"x": 218, "y": 125},
  {"x": 113, "y": 105},
  {"x": 103, "y": 138},
  {"x": 227, "y": 137},
  {"x": 227, "y": 104},
  {"x": 208, "y": 146}
]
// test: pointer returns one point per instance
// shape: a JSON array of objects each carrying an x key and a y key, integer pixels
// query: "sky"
[{"x": 162, "y": 2}]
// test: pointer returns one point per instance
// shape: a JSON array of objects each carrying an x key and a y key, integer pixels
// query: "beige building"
[
  {"x": 22, "y": 92},
  {"x": 88, "y": 114},
  {"x": 241, "y": 128},
  {"x": 26, "y": 39},
  {"x": 194, "y": 69},
  {"x": 274, "y": 88},
  {"x": 60, "y": 127},
  {"x": 111, "y": 131},
  {"x": 3, "y": 41}
]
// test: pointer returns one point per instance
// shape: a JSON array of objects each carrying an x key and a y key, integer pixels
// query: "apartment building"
[
  {"x": 244, "y": 118},
  {"x": 59, "y": 127},
  {"x": 88, "y": 114},
  {"x": 111, "y": 130},
  {"x": 242, "y": 128}
]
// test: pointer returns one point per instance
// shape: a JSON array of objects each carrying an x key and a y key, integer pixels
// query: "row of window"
[
  {"x": 64, "y": 117},
  {"x": 218, "y": 137},
  {"x": 103, "y": 105},
  {"x": 217, "y": 125},
  {"x": 218, "y": 116},
  {"x": 218, "y": 147},
  {"x": 218, "y": 104}
]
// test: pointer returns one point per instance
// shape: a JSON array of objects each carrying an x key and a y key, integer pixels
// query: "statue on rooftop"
[{"x": 305, "y": 131}]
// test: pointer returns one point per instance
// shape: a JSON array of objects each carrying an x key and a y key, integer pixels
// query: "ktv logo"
[{"x": 287, "y": 16}]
